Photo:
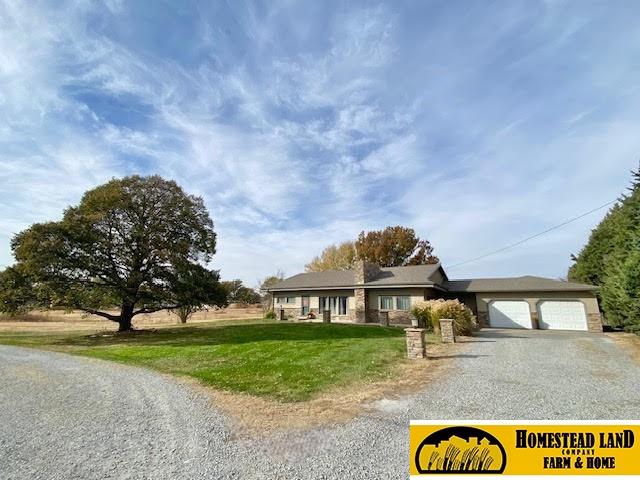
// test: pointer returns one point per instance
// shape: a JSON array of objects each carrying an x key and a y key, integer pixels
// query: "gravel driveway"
[{"x": 70, "y": 417}]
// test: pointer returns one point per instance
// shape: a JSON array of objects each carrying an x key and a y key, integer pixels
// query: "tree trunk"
[{"x": 126, "y": 315}]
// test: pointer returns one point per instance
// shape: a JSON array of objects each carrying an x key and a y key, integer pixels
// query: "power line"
[{"x": 532, "y": 236}]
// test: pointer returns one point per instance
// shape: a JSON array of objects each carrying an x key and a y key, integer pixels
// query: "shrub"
[
  {"x": 633, "y": 328},
  {"x": 422, "y": 312},
  {"x": 430, "y": 312},
  {"x": 270, "y": 314}
]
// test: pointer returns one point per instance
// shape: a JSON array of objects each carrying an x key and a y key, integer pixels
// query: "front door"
[{"x": 305, "y": 305}]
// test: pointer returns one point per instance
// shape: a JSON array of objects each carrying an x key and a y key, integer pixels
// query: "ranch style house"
[{"x": 360, "y": 294}]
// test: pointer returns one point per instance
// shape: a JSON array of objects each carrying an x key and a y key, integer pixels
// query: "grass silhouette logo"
[{"x": 460, "y": 450}]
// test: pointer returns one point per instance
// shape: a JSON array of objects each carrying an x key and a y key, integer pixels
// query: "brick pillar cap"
[
  {"x": 413, "y": 329},
  {"x": 446, "y": 320}
]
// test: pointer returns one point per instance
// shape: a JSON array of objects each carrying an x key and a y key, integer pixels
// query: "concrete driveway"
[{"x": 68, "y": 417}]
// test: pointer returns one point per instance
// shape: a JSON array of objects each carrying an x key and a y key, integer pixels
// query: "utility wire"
[{"x": 532, "y": 236}]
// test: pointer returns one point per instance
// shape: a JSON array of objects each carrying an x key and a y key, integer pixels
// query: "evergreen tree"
[
  {"x": 621, "y": 291},
  {"x": 611, "y": 258}
]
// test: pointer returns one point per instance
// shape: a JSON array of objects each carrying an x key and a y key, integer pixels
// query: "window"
[
  {"x": 403, "y": 303},
  {"x": 337, "y": 305},
  {"x": 282, "y": 300},
  {"x": 399, "y": 302},
  {"x": 386, "y": 303}
]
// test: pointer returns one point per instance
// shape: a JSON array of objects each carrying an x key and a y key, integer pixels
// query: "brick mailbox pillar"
[
  {"x": 383, "y": 318},
  {"x": 446, "y": 330},
  {"x": 326, "y": 316},
  {"x": 281, "y": 314},
  {"x": 415, "y": 343}
]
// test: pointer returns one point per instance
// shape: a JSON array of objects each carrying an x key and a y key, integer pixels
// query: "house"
[{"x": 358, "y": 295}]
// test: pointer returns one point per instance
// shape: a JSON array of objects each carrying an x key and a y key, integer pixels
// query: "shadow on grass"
[{"x": 234, "y": 334}]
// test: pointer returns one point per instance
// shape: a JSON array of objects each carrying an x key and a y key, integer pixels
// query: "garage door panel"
[
  {"x": 562, "y": 315},
  {"x": 509, "y": 314}
]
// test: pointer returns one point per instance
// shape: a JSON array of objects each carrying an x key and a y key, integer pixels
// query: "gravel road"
[{"x": 70, "y": 417}]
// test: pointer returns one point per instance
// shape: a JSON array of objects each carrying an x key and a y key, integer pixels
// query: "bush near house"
[{"x": 430, "y": 312}]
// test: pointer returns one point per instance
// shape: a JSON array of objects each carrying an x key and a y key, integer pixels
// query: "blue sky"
[{"x": 302, "y": 123}]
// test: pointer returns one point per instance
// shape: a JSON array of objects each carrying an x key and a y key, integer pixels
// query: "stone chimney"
[{"x": 364, "y": 272}]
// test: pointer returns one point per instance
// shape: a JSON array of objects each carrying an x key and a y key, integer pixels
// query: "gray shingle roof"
[
  {"x": 329, "y": 279},
  {"x": 425, "y": 275},
  {"x": 515, "y": 284},
  {"x": 410, "y": 275},
  {"x": 388, "y": 276}
]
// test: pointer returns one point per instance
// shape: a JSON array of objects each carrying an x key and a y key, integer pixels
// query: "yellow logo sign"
[
  {"x": 460, "y": 450},
  {"x": 534, "y": 448}
]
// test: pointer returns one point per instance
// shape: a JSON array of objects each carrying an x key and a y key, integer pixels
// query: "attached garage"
[
  {"x": 562, "y": 315},
  {"x": 509, "y": 314},
  {"x": 531, "y": 302}
]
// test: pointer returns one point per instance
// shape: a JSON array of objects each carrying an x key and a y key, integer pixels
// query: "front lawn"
[{"x": 286, "y": 361}]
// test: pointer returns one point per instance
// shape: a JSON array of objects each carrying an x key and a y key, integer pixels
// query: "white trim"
[{"x": 394, "y": 303}]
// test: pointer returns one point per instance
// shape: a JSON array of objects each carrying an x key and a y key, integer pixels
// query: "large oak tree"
[
  {"x": 140, "y": 244},
  {"x": 394, "y": 247},
  {"x": 391, "y": 247}
]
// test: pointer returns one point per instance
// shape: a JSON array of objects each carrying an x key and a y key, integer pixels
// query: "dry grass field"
[{"x": 59, "y": 321}]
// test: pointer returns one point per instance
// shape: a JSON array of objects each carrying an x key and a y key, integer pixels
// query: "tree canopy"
[
  {"x": 611, "y": 258},
  {"x": 391, "y": 247},
  {"x": 334, "y": 257},
  {"x": 138, "y": 243},
  {"x": 236, "y": 292},
  {"x": 265, "y": 285},
  {"x": 394, "y": 247}
]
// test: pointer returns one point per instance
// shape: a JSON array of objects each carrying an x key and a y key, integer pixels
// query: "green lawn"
[{"x": 286, "y": 361}]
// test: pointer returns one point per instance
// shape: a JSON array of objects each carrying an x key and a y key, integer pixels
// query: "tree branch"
[{"x": 110, "y": 316}]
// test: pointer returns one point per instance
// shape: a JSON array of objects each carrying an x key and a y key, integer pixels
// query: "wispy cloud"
[{"x": 302, "y": 124}]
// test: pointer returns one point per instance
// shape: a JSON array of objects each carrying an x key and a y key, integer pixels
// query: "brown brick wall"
[
  {"x": 415, "y": 343},
  {"x": 372, "y": 315},
  {"x": 400, "y": 317},
  {"x": 535, "y": 322},
  {"x": 360, "y": 295},
  {"x": 483, "y": 319},
  {"x": 594, "y": 322},
  {"x": 446, "y": 330}
]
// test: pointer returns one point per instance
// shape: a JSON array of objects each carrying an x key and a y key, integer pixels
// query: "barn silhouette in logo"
[{"x": 460, "y": 450}]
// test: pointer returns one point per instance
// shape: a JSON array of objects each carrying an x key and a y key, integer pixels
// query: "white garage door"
[
  {"x": 509, "y": 314},
  {"x": 562, "y": 315}
]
